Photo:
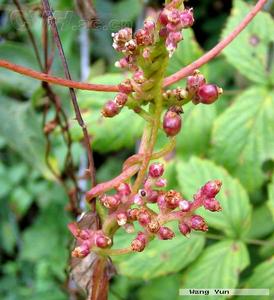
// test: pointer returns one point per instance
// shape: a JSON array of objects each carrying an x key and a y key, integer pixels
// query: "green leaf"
[
  {"x": 198, "y": 122},
  {"x": 235, "y": 217},
  {"x": 159, "y": 258},
  {"x": 249, "y": 51},
  {"x": 218, "y": 267},
  {"x": 243, "y": 136},
  {"x": 22, "y": 131},
  {"x": 270, "y": 202},
  {"x": 109, "y": 134},
  {"x": 262, "y": 277}
]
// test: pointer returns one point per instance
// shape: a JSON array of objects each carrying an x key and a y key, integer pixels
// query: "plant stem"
[
  {"x": 188, "y": 70},
  {"x": 49, "y": 15}
]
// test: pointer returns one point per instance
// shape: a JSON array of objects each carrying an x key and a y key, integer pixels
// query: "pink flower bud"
[
  {"x": 161, "y": 182},
  {"x": 81, "y": 251},
  {"x": 163, "y": 18},
  {"x": 123, "y": 189},
  {"x": 138, "y": 77},
  {"x": 121, "y": 99},
  {"x": 111, "y": 202},
  {"x": 184, "y": 205},
  {"x": 102, "y": 241},
  {"x": 172, "y": 123},
  {"x": 143, "y": 217},
  {"x": 152, "y": 196},
  {"x": 208, "y": 93},
  {"x": 198, "y": 223},
  {"x": 121, "y": 219},
  {"x": 173, "y": 16},
  {"x": 172, "y": 199},
  {"x": 166, "y": 233},
  {"x": 161, "y": 202},
  {"x": 138, "y": 200},
  {"x": 212, "y": 204},
  {"x": 132, "y": 214},
  {"x": 184, "y": 229},
  {"x": 139, "y": 243},
  {"x": 156, "y": 170},
  {"x": 153, "y": 226},
  {"x": 121, "y": 38},
  {"x": 110, "y": 109},
  {"x": 149, "y": 25},
  {"x": 187, "y": 19},
  {"x": 125, "y": 87},
  {"x": 211, "y": 188},
  {"x": 194, "y": 82},
  {"x": 144, "y": 38},
  {"x": 130, "y": 47}
]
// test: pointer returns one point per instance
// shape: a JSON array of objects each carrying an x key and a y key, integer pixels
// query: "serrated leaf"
[
  {"x": 218, "y": 267},
  {"x": 262, "y": 277},
  {"x": 23, "y": 133},
  {"x": 270, "y": 202},
  {"x": 243, "y": 136},
  {"x": 109, "y": 134},
  {"x": 235, "y": 217},
  {"x": 198, "y": 122},
  {"x": 159, "y": 258},
  {"x": 249, "y": 51}
]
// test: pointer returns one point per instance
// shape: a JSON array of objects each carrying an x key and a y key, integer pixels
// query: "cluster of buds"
[
  {"x": 113, "y": 107},
  {"x": 128, "y": 208},
  {"x": 173, "y": 20}
]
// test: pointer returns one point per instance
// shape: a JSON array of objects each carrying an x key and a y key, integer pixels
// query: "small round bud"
[
  {"x": 153, "y": 226},
  {"x": 152, "y": 196},
  {"x": 166, "y": 233},
  {"x": 138, "y": 77},
  {"x": 184, "y": 205},
  {"x": 82, "y": 251},
  {"x": 212, "y": 204},
  {"x": 184, "y": 229},
  {"x": 102, "y": 241},
  {"x": 163, "y": 18},
  {"x": 132, "y": 214},
  {"x": 121, "y": 99},
  {"x": 125, "y": 87},
  {"x": 194, "y": 82},
  {"x": 121, "y": 219},
  {"x": 84, "y": 234},
  {"x": 172, "y": 199},
  {"x": 198, "y": 223},
  {"x": 143, "y": 217},
  {"x": 208, "y": 93},
  {"x": 138, "y": 200},
  {"x": 211, "y": 188},
  {"x": 156, "y": 170},
  {"x": 139, "y": 243},
  {"x": 161, "y": 182},
  {"x": 110, "y": 109},
  {"x": 172, "y": 123},
  {"x": 110, "y": 202},
  {"x": 123, "y": 189},
  {"x": 187, "y": 19}
]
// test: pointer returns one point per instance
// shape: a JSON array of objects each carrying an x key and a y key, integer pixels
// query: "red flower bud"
[
  {"x": 121, "y": 99},
  {"x": 187, "y": 19},
  {"x": 184, "y": 229},
  {"x": 139, "y": 243},
  {"x": 211, "y": 188},
  {"x": 138, "y": 200},
  {"x": 212, "y": 204},
  {"x": 132, "y": 214},
  {"x": 143, "y": 217},
  {"x": 82, "y": 251},
  {"x": 110, "y": 109},
  {"x": 208, "y": 93},
  {"x": 184, "y": 205},
  {"x": 194, "y": 82},
  {"x": 156, "y": 170},
  {"x": 153, "y": 226},
  {"x": 166, "y": 233},
  {"x": 161, "y": 182},
  {"x": 172, "y": 123},
  {"x": 163, "y": 19},
  {"x": 152, "y": 196},
  {"x": 102, "y": 241},
  {"x": 125, "y": 87},
  {"x": 172, "y": 199},
  {"x": 198, "y": 223},
  {"x": 111, "y": 202}
]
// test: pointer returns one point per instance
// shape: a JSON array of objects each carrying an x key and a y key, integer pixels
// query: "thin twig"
[
  {"x": 49, "y": 15},
  {"x": 188, "y": 70}
]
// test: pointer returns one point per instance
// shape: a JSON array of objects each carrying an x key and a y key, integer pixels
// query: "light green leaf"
[
  {"x": 218, "y": 267},
  {"x": 262, "y": 277},
  {"x": 235, "y": 217},
  {"x": 243, "y": 136},
  {"x": 249, "y": 51},
  {"x": 270, "y": 202},
  {"x": 159, "y": 258},
  {"x": 23, "y": 133},
  {"x": 108, "y": 134},
  {"x": 198, "y": 122}
]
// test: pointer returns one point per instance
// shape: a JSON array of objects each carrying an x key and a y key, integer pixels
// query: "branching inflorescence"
[{"x": 146, "y": 54}]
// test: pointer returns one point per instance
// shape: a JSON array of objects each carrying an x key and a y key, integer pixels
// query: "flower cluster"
[{"x": 127, "y": 209}]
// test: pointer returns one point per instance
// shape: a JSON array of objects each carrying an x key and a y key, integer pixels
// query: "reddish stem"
[
  {"x": 57, "y": 80},
  {"x": 188, "y": 70}
]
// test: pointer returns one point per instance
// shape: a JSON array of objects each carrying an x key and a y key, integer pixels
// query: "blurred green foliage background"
[{"x": 233, "y": 140}]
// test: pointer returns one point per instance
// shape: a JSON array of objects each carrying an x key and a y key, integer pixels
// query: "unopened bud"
[
  {"x": 212, "y": 204},
  {"x": 166, "y": 233},
  {"x": 184, "y": 205},
  {"x": 198, "y": 223},
  {"x": 102, "y": 241},
  {"x": 82, "y": 251},
  {"x": 172, "y": 199},
  {"x": 156, "y": 170},
  {"x": 121, "y": 219},
  {"x": 184, "y": 229},
  {"x": 211, "y": 188}
]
